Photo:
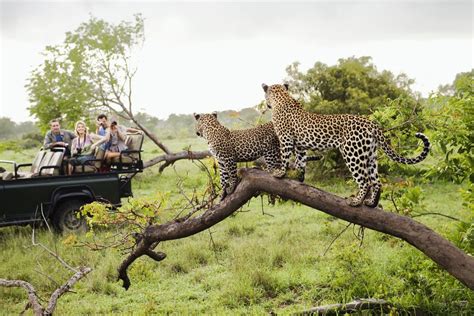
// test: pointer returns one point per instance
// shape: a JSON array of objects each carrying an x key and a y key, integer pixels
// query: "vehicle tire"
[{"x": 65, "y": 218}]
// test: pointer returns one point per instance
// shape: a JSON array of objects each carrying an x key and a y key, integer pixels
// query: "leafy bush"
[{"x": 452, "y": 120}]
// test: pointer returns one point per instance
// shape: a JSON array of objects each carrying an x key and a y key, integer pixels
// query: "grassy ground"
[{"x": 273, "y": 260}]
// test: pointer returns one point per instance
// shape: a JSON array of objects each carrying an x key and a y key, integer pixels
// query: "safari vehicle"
[{"x": 45, "y": 192}]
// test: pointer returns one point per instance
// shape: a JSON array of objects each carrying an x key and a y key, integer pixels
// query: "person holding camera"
[
  {"x": 83, "y": 146},
  {"x": 115, "y": 136}
]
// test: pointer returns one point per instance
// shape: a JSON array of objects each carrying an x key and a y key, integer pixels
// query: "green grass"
[{"x": 261, "y": 261}]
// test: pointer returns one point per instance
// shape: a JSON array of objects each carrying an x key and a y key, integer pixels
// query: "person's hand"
[
  {"x": 93, "y": 146},
  {"x": 63, "y": 144}
]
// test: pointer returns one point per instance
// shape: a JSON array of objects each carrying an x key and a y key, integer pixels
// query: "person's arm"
[
  {"x": 97, "y": 140},
  {"x": 122, "y": 134},
  {"x": 47, "y": 144},
  {"x": 74, "y": 147},
  {"x": 133, "y": 130}
]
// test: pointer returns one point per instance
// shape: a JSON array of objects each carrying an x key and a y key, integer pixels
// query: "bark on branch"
[
  {"x": 440, "y": 250},
  {"x": 34, "y": 300},
  {"x": 171, "y": 158}
]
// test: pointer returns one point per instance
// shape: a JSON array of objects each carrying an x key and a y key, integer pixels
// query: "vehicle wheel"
[{"x": 65, "y": 218}]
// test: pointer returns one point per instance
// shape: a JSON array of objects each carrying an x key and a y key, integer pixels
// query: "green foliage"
[
  {"x": 76, "y": 77},
  {"x": 27, "y": 141},
  {"x": 406, "y": 198},
  {"x": 353, "y": 85},
  {"x": 11, "y": 130},
  {"x": 453, "y": 126}
]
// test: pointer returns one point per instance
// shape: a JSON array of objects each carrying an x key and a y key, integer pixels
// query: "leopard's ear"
[
  {"x": 196, "y": 116},
  {"x": 265, "y": 87},
  {"x": 214, "y": 114},
  {"x": 287, "y": 86}
]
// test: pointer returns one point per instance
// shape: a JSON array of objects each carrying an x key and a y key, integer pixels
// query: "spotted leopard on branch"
[
  {"x": 356, "y": 137},
  {"x": 232, "y": 146}
]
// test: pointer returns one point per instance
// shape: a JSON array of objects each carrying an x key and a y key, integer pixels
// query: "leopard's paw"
[{"x": 279, "y": 173}]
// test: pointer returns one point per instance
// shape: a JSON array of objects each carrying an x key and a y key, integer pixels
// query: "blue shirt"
[{"x": 102, "y": 131}]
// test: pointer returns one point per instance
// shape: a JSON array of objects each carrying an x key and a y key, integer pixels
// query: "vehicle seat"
[
  {"x": 96, "y": 164},
  {"x": 132, "y": 155},
  {"x": 44, "y": 158},
  {"x": 6, "y": 175}
]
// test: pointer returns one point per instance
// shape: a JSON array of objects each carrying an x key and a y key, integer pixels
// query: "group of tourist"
[{"x": 81, "y": 145}]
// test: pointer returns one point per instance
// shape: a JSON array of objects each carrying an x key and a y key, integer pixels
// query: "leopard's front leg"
[
  {"x": 228, "y": 175},
  {"x": 286, "y": 147}
]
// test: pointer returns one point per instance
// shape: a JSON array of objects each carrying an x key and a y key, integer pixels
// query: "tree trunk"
[{"x": 440, "y": 250}]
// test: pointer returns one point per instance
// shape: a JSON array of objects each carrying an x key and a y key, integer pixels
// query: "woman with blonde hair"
[{"x": 83, "y": 146}]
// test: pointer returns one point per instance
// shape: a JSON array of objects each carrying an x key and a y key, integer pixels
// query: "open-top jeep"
[{"x": 44, "y": 191}]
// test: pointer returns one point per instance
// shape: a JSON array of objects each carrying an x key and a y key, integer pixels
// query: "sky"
[{"x": 213, "y": 56}]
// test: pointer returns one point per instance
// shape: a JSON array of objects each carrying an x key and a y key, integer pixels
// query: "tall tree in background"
[
  {"x": 353, "y": 85},
  {"x": 91, "y": 72}
]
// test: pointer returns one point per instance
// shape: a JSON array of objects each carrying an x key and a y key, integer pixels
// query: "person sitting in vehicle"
[
  {"x": 83, "y": 146},
  {"x": 102, "y": 124},
  {"x": 58, "y": 137},
  {"x": 115, "y": 137}
]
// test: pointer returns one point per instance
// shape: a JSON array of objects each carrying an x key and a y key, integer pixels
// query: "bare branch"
[
  {"x": 83, "y": 271},
  {"x": 33, "y": 298},
  {"x": 170, "y": 158}
]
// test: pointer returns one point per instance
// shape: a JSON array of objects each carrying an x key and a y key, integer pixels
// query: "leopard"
[
  {"x": 232, "y": 146},
  {"x": 355, "y": 136}
]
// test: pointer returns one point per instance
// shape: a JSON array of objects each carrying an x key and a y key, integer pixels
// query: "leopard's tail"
[{"x": 382, "y": 141}]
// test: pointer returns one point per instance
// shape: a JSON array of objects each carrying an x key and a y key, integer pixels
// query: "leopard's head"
[
  {"x": 276, "y": 94},
  {"x": 205, "y": 122}
]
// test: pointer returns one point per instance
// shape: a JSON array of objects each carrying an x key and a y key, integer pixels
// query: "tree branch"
[
  {"x": 33, "y": 298},
  {"x": 440, "y": 250},
  {"x": 83, "y": 271},
  {"x": 170, "y": 158},
  {"x": 355, "y": 306}
]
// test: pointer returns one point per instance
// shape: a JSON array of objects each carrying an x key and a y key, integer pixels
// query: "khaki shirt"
[{"x": 50, "y": 138}]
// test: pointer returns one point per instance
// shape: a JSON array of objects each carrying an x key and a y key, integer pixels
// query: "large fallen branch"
[
  {"x": 440, "y": 250},
  {"x": 33, "y": 298}
]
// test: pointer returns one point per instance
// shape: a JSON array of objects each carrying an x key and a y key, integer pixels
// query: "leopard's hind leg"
[
  {"x": 300, "y": 163},
  {"x": 375, "y": 185},
  {"x": 357, "y": 164},
  {"x": 273, "y": 160}
]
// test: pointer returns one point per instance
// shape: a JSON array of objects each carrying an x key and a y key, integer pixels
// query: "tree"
[
  {"x": 452, "y": 120},
  {"x": 91, "y": 72},
  {"x": 353, "y": 85},
  {"x": 81, "y": 76},
  {"x": 7, "y": 128}
]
